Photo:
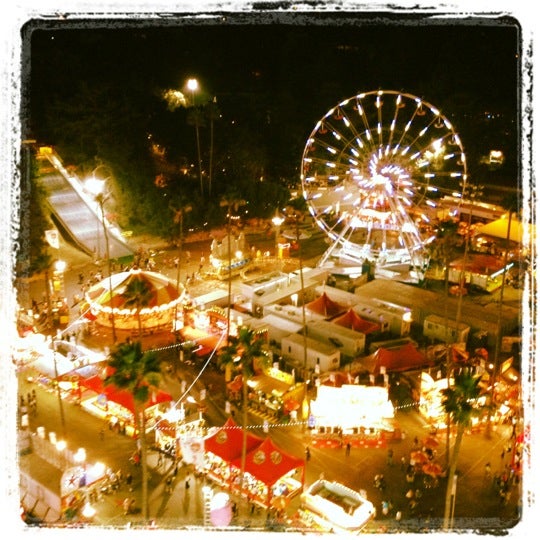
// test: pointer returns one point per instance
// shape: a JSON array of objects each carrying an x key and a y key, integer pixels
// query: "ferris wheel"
[{"x": 373, "y": 170}]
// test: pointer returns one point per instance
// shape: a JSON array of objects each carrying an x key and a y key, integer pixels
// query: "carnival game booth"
[
  {"x": 362, "y": 416},
  {"x": 269, "y": 472},
  {"x": 223, "y": 447},
  {"x": 112, "y": 297},
  {"x": 117, "y": 406}
]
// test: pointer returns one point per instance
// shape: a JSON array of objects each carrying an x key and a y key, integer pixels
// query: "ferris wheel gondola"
[{"x": 373, "y": 169}]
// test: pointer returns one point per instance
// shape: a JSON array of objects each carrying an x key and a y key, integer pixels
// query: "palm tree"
[
  {"x": 460, "y": 401},
  {"x": 137, "y": 372},
  {"x": 443, "y": 250},
  {"x": 231, "y": 201},
  {"x": 239, "y": 355},
  {"x": 138, "y": 294}
]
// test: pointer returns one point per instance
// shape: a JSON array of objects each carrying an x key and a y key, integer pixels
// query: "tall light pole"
[{"x": 192, "y": 86}]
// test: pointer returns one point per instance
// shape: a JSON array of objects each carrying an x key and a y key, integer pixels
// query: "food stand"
[{"x": 332, "y": 504}]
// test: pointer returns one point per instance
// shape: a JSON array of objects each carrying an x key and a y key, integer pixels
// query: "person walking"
[
  {"x": 308, "y": 453},
  {"x": 129, "y": 481},
  {"x": 390, "y": 457},
  {"x": 348, "y": 449}
]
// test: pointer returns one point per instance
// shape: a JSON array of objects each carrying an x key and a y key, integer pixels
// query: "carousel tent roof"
[
  {"x": 400, "y": 359},
  {"x": 325, "y": 306},
  {"x": 499, "y": 229},
  {"x": 122, "y": 397},
  {"x": 226, "y": 442},
  {"x": 164, "y": 290},
  {"x": 268, "y": 463},
  {"x": 352, "y": 320}
]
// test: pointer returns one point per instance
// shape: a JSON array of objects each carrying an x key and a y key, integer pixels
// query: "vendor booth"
[{"x": 118, "y": 406}]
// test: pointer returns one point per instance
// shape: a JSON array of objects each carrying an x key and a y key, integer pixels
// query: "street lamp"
[
  {"x": 96, "y": 186},
  {"x": 193, "y": 86},
  {"x": 277, "y": 221}
]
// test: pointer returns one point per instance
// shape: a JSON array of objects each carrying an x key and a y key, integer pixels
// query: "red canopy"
[
  {"x": 352, "y": 320},
  {"x": 227, "y": 441},
  {"x": 122, "y": 397},
  {"x": 268, "y": 463},
  {"x": 403, "y": 358},
  {"x": 325, "y": 306}
]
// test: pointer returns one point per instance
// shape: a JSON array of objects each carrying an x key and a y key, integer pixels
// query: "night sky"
[
  {"x": 92, "y": 88},
  {"x": 473, "y": 61}
]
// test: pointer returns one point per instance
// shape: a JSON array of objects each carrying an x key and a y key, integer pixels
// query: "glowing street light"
[{"x": 193, "y": 86}]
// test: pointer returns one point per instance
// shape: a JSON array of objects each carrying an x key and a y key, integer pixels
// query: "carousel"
[{"x": 123, "y": 296}]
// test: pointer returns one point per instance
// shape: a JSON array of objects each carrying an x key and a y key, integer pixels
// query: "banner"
[
  {"x": 193, "y": 450},
  {"x": 52, "y": 238}
]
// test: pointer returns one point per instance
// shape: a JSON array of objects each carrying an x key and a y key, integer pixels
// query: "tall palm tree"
[
  {"x": 232, "y": 201},
  {"x": 238, "y": 356},
  {"x": 137, "y": 372},
  {"x": 138, "y": 294},
  {"x": 443, "y": 250},
  {"x": 460, "y": 401}
]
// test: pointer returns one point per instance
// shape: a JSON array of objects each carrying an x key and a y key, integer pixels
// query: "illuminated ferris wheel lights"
[
  {"x": 449, "y": 156},
  {"x": 429, "y": 175},
  {"x": 415, "y": 155},
  {"x": 431, "y": 203},
  {"x": 408, "y": 192},
  {"x": 432, "y": 188},
  {"x": 448, "y": 124},
  {"x": 355, "y": 152},
  {"x": 407, "y": 126},
  {"x": 393, "y": 125},
  {"x": 368, "y": 135},
  {"x": 423, "y": 132},
  {"x": 435, "y": 111},
  {"x": 398, "y": 99},
  {"x": 379, "y": 129},
  {"x": 331, "y": 165},
  {"x": 331, "y": 150},
  {"x": 455, "y": 174},
  {"x": 316, "y": 196},
  {"x": 336, "y": 135},
  {"x": 346, "y": 121},
  {"x": 405, "y": 150},
  {"x": 333, "y": 177},
  {"x": 353, "y": 161}
]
